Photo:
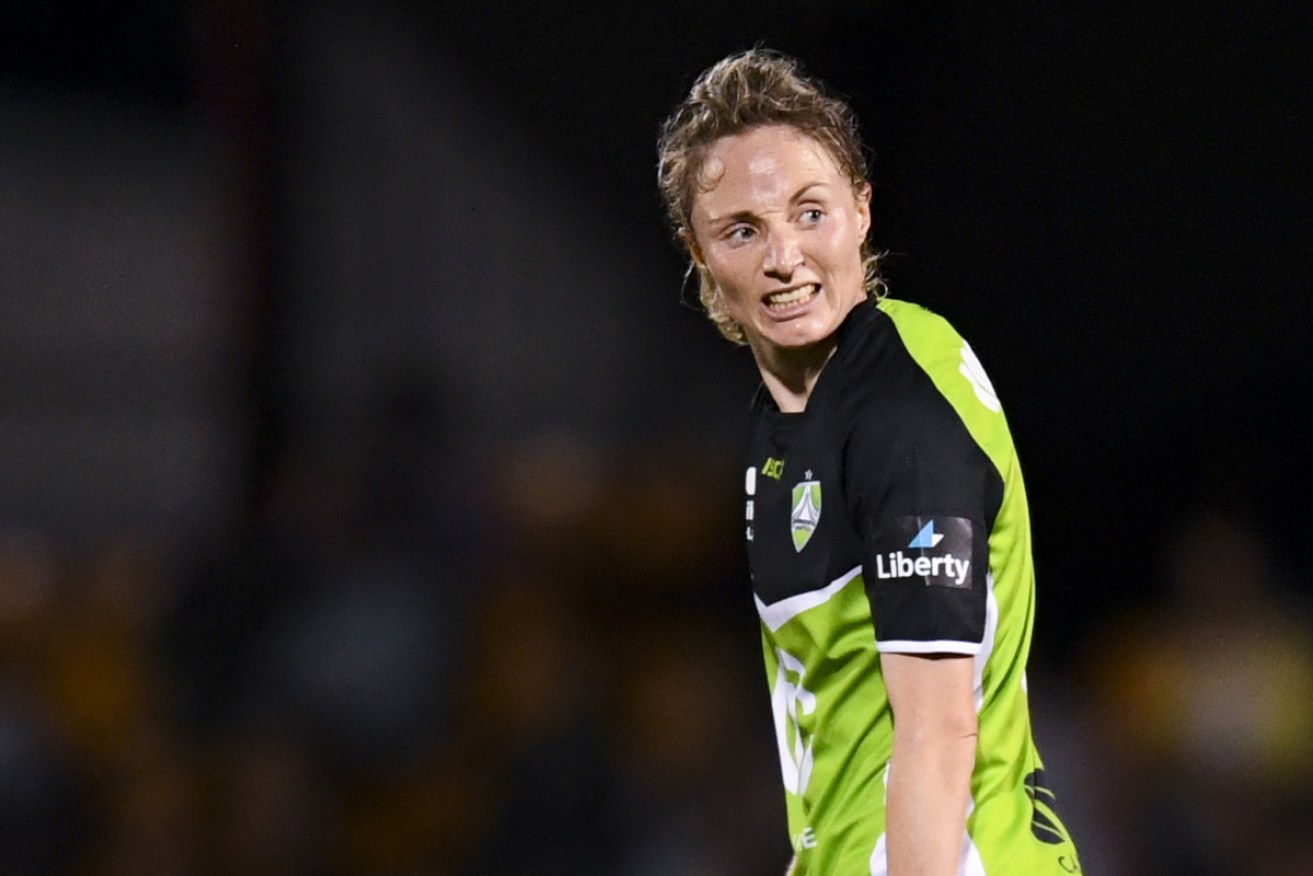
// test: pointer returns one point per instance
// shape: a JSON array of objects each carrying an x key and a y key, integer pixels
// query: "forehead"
[{"x": 763, "y": 164}]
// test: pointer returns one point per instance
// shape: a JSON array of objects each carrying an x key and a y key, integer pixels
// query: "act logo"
[
  {"x": 806, "y": 512},
  {"x": 773, "y": 468}
]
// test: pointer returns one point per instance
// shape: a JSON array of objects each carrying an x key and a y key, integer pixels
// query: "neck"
[{"x": 791, "y": 375}]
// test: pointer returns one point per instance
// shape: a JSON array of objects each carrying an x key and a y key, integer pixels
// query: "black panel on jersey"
[
  {"x": 887, "y": 448},
  {"x": 780, "y": 567}
]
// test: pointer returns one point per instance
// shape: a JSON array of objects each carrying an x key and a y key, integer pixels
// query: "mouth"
[{"x": 788, "y": 299}]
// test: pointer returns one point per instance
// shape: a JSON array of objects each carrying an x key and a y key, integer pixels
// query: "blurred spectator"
[
  {"x": 102, "y": 785},
  {"x": 537, "y": 695},
  {"x": 699, "y": 788},
  {"x": 44, "y": 813},
  {"x": 1208, "y": 704},
  {"x": 314, "y": 658}
]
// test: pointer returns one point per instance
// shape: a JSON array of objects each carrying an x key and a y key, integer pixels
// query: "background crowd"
[{"x": 369, "y": 502}]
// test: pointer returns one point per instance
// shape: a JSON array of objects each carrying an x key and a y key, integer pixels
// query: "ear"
[
  {"x": 863, "y": 196},
  {"x": 694, "y": 251}
]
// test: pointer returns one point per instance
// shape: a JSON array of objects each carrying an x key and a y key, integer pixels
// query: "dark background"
[{"x": 295, "y": 293}]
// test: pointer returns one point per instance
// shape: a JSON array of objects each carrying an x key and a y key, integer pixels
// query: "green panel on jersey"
[
  {"x": 833, "y": 722},
  {"x": 831, "y": 756},
  {"x": 949, "y": 361}
]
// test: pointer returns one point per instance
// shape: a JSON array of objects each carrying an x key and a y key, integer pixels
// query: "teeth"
[{"x": 793, "y": 296}]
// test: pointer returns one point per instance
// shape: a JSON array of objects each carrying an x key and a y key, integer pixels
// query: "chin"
[{"x": 797, "y": 340}]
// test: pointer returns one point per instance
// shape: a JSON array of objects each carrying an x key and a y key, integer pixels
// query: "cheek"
[
  {"x": 852, "y": 230},
  {"x": 845, "y": 246},
  {"x": 731, "y": 272}
]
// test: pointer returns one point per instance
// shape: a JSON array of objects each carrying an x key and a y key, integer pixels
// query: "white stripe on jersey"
[
  {"x": 991, "y": 634},
  {"x": 938, "y": 646},
  {"x": 777, "y": 614},
  {"x": 970, "y": 865}
]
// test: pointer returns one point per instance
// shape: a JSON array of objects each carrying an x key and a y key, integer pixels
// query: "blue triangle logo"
[{"x": 927, "y": 537}]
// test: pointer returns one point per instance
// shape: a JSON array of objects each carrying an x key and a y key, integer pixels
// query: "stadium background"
[{"x": 368, "y": 498}]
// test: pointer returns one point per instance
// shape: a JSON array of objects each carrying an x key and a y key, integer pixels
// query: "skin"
[
  {"x": 933, "y": 753},
  {"x": 775, "y": 214},
  {"x": 935, "y": 732}
]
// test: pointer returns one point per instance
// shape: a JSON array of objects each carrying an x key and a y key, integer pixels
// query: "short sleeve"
[{"x": 925, "y": 497}]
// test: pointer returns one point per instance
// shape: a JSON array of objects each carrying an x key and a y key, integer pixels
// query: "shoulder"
[
  {"x": 896, "y": 356},
  {"x": 933, "y": 347},
  {"x": 913, "y": 372},
  {"x": 888, "y": 400},
  {"x": 912, "y": 317},
  {"x": 930, "y": 339}
]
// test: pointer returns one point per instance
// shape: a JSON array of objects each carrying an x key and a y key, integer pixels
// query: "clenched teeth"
[{"x": 781, "y": 300}]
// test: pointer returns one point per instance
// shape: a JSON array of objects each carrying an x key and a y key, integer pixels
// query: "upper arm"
[
  {"x": 931, "y": 695},
  {"x": 925, "y": 496}
]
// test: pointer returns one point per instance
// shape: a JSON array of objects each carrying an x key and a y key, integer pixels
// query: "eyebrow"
[
  {"x": 798, "y": 195},
  {"x": 741, "y": 215}
]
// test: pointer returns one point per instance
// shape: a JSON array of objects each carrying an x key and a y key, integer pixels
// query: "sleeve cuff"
[{"x": 941, "y": 646}]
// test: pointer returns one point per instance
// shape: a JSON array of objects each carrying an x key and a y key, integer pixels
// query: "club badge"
[{"x": 806, "y": 512}]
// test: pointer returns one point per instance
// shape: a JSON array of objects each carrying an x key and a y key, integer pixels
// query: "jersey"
[{"x": 890, "y": 516}]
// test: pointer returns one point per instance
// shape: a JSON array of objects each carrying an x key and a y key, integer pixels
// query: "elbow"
[
  {"x": 945, "y": 748},
  {"x": 952, "y": 729}
]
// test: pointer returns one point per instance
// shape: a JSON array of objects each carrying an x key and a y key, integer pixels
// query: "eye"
[
  {"x": 740, "y": 233},
  {"x": 811, "y": 215}
]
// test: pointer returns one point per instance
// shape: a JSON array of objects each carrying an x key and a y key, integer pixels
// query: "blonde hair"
[{"x": 748, "y": 90}]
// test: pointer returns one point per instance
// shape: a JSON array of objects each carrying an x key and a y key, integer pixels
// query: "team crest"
[{"x": 806, "y": 512}]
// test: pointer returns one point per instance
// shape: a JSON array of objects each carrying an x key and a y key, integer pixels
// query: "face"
[{"x": 780, "y": 228}]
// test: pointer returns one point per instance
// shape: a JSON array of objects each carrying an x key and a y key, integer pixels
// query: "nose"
[{"x": 783, "y": 254}]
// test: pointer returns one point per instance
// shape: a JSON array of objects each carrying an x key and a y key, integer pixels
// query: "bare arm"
[{"x": 933, "y": 753}]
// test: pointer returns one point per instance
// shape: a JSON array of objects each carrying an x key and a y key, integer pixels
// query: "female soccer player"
[{"x": 886, "y": 522}]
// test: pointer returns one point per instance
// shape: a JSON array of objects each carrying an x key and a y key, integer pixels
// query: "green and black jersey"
[{"x": 890, "y": 516}]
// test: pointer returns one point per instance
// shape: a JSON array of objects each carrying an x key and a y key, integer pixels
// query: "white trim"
[
  {"x": 988, "y": 641},
  {"x": 940, "y": 646},
  {"x": 777, "y": 614},
  {"x": 970, "y": 864},
  {"x": 975, "y": 374}
]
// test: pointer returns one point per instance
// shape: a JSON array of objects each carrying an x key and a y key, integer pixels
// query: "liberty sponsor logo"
[
  {"x": 902, "y": 566},
  {"x": 806, "y": 513},
  {"x": 927, "y": 537},
  {"x": 938, "y": 551}
]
